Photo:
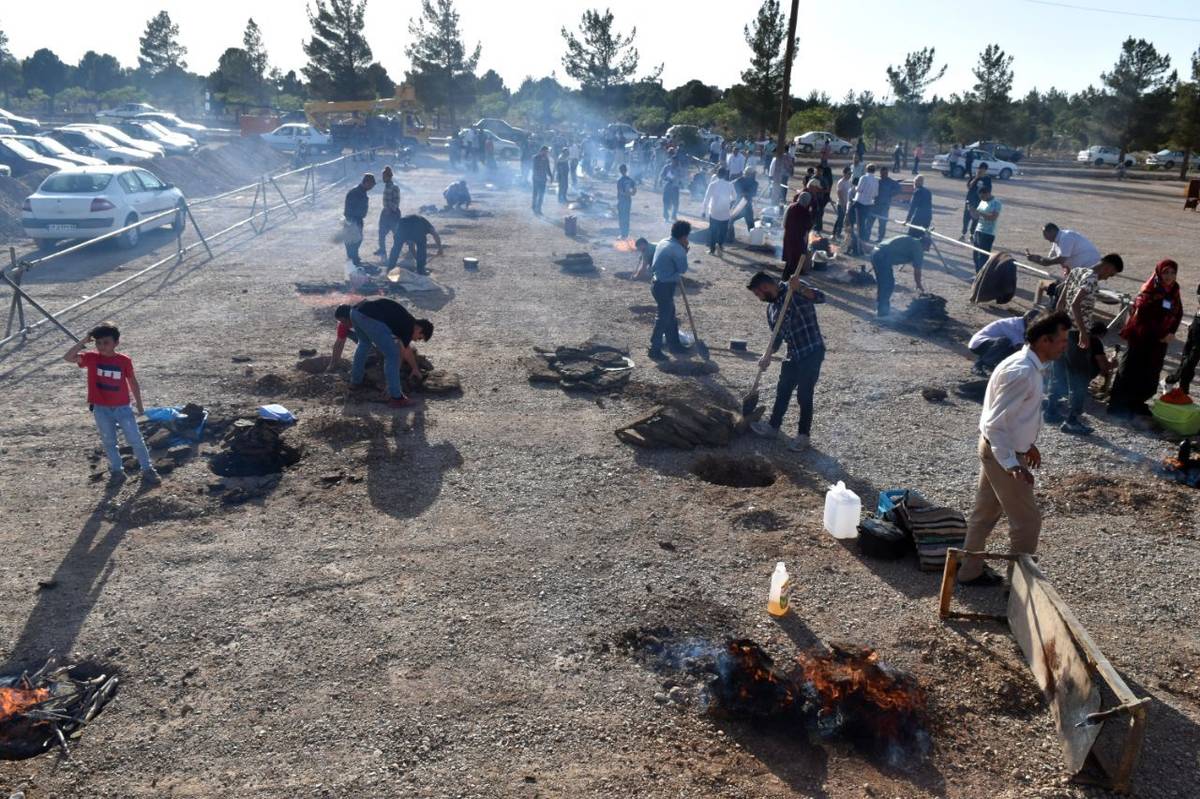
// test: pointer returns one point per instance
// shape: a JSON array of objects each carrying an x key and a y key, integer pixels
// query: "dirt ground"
[{"x": 438, "y": 602}]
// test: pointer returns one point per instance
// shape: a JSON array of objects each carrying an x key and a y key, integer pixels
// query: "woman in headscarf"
[{"x": 1153, "y": 320}]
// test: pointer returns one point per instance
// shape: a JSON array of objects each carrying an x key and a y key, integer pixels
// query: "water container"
[
  {"x": 777, "y": 600},
  {"x": 842, "y": 511}
]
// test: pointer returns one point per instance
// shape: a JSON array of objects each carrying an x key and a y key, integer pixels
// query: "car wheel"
[
  {"x": 129, "y": 239},
  {"x": 806, "y": 148},
  {"x": 179, "y": 220},
  {"x": 844, "y": 151},
  {"x": 1099, "y": 162},
  {"x": 45, "y": 245},
  {"x": 115, "y": 161},
  {"x": 1129, "y": 163},
  {"x": 1169, "y": 165},
  {"x": 1005, "y": 174}
]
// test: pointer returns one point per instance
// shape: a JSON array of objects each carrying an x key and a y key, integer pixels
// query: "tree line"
[{"x": 1140, "y": 103}]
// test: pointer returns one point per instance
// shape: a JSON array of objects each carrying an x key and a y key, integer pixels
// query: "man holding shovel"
[
  {"x": 667, "y": 268},
  {"x": 792, "y": 315}
]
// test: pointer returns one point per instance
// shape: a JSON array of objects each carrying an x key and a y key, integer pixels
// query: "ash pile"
[
  {"x": 686, "y": 425},
  {"x": 925, "y": 313},
  {"x": 50, "y": 707},
  {"x": 595, "y": 366}
]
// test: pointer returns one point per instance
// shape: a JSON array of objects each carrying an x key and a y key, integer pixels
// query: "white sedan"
[
  {"x": 293, "y": 135},
  {"x": 89, "y": 201},
  {"x": 126, "y": 110},
  {"x": 124, "y": 139},
  {"x": 996, "y": 166},
  {"x": 814, "y": 140},
  {"x": 96, "y": 144},
  {"x": 176, "y": 125}
]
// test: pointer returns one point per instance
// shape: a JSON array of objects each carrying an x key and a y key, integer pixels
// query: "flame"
[
  {"x": 624, "y": 245},
  {"x": 16, "y": 701}
]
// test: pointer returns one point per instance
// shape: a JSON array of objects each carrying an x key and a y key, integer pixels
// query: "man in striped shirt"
[
  {"x": 805, "y": 350},
  {"x": 389, "y": 215}
]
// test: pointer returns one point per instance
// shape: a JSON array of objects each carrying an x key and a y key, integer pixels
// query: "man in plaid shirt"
[
  {"x": 805, "y": 351},
  {"x": 389, "y": 215}
]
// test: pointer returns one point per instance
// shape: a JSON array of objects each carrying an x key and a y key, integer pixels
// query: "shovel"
[
  {"x": 750, "y": 401},
  {"x": 701, "y": 347}
]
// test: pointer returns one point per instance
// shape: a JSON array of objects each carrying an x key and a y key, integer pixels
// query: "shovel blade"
[{"x": 749, "y": 402}]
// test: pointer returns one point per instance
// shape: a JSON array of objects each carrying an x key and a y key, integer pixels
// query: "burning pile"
[
  {"x": 46, "y": 708},
  {"x": 254, "y": 447},
  {"x": 847, "y": 692}
]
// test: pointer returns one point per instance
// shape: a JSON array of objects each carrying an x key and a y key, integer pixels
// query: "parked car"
[
  {"x": 7, "y": 130},
  {"x": 997, "y": 150},
  {"x": 996, "y": 166},
  {"x": 126, "y": 110},
  {"x": 814, "y": 140},
  {"x": 5, "y": 171},
  {"x": 1167, "y": 159},
  {"x": 619, "y": 133},
  {"x": 1103, "y": 156},
  {"x": 143, "y": 130},
  {"x": 121, "y": 138},
  {"x": 22, "y": 160},
  {"x": 175, "y": 124},
  {"x": 291, "y": 136},
  {"x": 96, "y": 144},
  {"x": 89, "y": 201},
  {"x": 504, "y": 149},
  {"x": 502, "y": 129},
  {"x": 23, "y": 125},
  {"x": 48, "y": 147}
]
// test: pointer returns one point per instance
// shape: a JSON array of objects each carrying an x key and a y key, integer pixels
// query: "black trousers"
[
  {"x": 982, "y": 241},
  {"x": 1191, "y": 357},
  {"x": 989, "y": 354},
  {"x": 799, "y": 376},
  {"x": 666, "y": 326}
]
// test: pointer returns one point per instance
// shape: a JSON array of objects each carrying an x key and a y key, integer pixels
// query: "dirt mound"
[
  {"x": 254, "y": 448},
  {"x": 755, "y": 472},
  {"x": 214, "y": 170},
  {"x": 1156, "y": 501},
  {"x": 341, "y": 431},
  {"x": 13, "y": 192},
  {"x": 158, "y": 506}
]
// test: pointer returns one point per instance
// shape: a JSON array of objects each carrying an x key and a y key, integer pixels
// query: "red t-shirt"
[
  {"x": 108, "y": 377},
  {"x": 343, "y": 329}
]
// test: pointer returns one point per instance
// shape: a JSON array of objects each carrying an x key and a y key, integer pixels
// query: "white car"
[
  {"x": 1103, "y": 156},
  {"x": 176, "y": 125},
  {"x": 121, "y": 138},
  {"x": 814, "y": 140},
  {"x": 7, "y": 130},
  {"x": 291, "y": 136},
  {"x": 88, "y": 201},
  {"x": 1167, "y": 159},
  {"x": 49, "y": 148},
  {"x": 126, "y": 110},
  {"x": 503, "y": 149},
  {"x": 96, "y": 144},
  {"x": 143, "y": 130},
  {"x": 996, "y": 167}
]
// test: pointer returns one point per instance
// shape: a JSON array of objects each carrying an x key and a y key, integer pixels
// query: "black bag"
[{"x": 881, "y": 539}]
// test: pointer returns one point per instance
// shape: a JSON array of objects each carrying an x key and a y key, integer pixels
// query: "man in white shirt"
[
  {"x": 737, "y": 164},
  {"x": 997, "y": 340},
  {"x": 717, "y": 206},
  {"x": 863, "y": 203},
  {"x": 1068, "y": 250},
  {"x": 843, "y": 201},
  {"x": 1009, "y": 427}
]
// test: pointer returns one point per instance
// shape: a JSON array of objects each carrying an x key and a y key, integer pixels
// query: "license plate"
[{"x": 59, "y": 228}]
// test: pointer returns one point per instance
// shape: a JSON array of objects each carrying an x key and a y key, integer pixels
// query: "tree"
[
  {"x": 10, "y": 69},
  {"x": 818, "y": 117},
  {"x": 235, "y": 79},
  {"x": 290, "y": 84},
  {"x": 993, "y": 85},
  {"x": 99, "y": 73},
  {"x": 693, "y": 94},
  {"x": 599, "y": 58},
  {"x": 338, "y": 54},
  {"x": 491, "y": 83},
  {"x": 382, "y": 84},
  {"x": 159, "y": 45},
  {"x": 256, "y": 51},
  {"x": 1139, "y": 93},
  {"x": 44, "y": 70},
  {"x": 764, "y": 76},
  {"x": 909, "y": 82},
  {"x": 1187, "y": 115},
  {"x": 443, "y": 72}
]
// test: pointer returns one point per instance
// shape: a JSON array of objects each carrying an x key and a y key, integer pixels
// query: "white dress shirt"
[
  {"x": 867, "y": 190},
  {"x": 1011, "y": 328},
  {"x": 719, "y": 199},
  {"x": 1012, "y": 407},
  {"x": 1077, "y": 250},
  {"x": 736, "y": 164}
]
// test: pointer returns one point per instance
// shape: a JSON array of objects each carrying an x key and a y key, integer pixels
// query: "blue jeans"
[
  {"x": 670, "y": 200},
  {"x": 624, "y": 207},
  {"x": 881, "y": 212},
  {"x": 982, "y": 241},
  {"x": 885, "y": 281},
  {"x": 1070, "y": 377},
  {"x": 865, "y": 214},
  {"x": 840, "y": 221},
  {"x": 747, "y": 214},
  {"x": 352, "y": 249},
  {"x": 800, "y": 376},
  {"x": 666, "y": 327},
  {"x": 108, "y": 419},
  {"x": 375, "y": 334}
]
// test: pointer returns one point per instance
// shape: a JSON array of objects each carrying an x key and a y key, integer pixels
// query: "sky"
[{"x": 843, "y": 46}]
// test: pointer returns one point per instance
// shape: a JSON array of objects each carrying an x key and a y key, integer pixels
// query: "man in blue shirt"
[
  {"x": 805, "y": 351},
  {"x": 920, "y": 208},
  {"x": 896, "y": 250},
  {"x": 667, "y": 269},
  {"x": 626, "y": 188}
]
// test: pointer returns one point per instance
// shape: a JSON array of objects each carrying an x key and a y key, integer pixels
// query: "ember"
[
  {"x": 846, "y": 692},
  {"x": 46, "y": 708}
]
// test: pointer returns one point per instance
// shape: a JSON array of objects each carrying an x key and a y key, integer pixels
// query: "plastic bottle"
[
  {"x": 777, "y": 600},
  {"x": 842, "y": 511}
]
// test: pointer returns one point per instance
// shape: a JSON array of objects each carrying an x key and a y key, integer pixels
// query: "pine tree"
[
  {"x": 256, "y": 52},
  {"x": 159, "y": 45},
  {"x": 338, "y": 54},
  {"x": 443, "y": 73},
  {"x": 98, "y": 73},
  {"x": 764, "y": 77},
  {"x": 10, "y": 68},
  {"x": 909, "y": 82},
  {"x": 1139, "y": 93},
  {"x": 599, "y": 58},
  {"x": 1187, "y": 115},
  {"x": 45, "y": 71}
]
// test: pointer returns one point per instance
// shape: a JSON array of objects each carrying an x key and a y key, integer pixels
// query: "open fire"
[
  {"x": 846, "y": 692},
  {"x": 48, "y": 707}
]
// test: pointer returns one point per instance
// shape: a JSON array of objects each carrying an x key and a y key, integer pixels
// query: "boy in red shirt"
[{"x": 111, "y": 383}]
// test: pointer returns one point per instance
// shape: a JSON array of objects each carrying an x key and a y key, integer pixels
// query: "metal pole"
[
  {"x": 15, "y": 311},
  {"x": 196, "y": 227},
  {"x": 283, "y": 197},
  {"x": 785, "y": 102},
  {"x": 35, "y": 304}
]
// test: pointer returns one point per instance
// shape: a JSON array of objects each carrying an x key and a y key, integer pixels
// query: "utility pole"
[{"x": 785, "y": 102}]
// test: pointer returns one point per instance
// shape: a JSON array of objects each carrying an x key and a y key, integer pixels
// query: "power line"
[{"x": 1113, "y": 11}]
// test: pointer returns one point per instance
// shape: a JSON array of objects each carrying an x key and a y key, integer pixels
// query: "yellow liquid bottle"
[{"x": 777, "y": 600}]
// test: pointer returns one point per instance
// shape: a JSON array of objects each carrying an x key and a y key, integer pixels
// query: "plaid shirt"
[
  {"x": 800, "y": 329},
  {"x": 391, "y": 197}
]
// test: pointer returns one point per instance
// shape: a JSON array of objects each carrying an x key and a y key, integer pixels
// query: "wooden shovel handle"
[{"x": 787, "y": 301}]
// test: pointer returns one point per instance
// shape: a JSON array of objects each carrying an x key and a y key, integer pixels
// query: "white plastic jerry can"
[
  {"x": 842, "y": 511},
  {"x": 777, "y": 600}
]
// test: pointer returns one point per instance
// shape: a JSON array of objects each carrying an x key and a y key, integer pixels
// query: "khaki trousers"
[{"x": 999, "y": 493}]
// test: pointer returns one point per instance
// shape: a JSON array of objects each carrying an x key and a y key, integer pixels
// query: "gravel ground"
[{"x": 438, "y": 602}]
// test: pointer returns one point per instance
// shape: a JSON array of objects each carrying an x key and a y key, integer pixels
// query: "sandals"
[{"x": 986, "y": 579}]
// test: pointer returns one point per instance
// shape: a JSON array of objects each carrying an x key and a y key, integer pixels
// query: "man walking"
[
  {"x": 563, "y": 169},
  {"x": 355, "y": 211},
  {"x": 747, "y": 189},
  {"x": 670, "y": 177},
  {"x": 889, "y": 254},
  {"x": 667, "y": 268},
  {"x": 718, "y": 202},
  {"x": 1008, "y": 453},
  {"x": 1077, "y": 299},
  {"x": 986, "y": 215},
  {"x": 888, "y": 188},
  {"x": 864, "y": 201},
  {"x": 918, "y": 154},
  {"x": 540, "y": 177},
  {"x": 897, "y": 155},
  {"x": 805, "y": 351},
  {"x": 974, "y": 183},
  {"x": 626, "y": 188},
  {"x": 920, "y": 209},
  {"x": 389, "y": 215}
]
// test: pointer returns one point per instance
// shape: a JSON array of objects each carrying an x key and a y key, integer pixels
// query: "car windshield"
[
  {"x": 46, "y": 143},
  {"x": 76, "y": 183},
  {"x": 19, "y": 149},
  {"x": 157, "y": 128},
  {"x": 96, "y": 137}
]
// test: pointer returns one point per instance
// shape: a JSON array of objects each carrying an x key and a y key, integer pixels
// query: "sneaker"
[
  {"x": 764, "y": 429},
  {"x": 1075, "y": 427},
  {"x": 402, "y": 402},
  {"x": 1052, "y": 415},
  {"x": 116, "y": 478},
  {"x": 799, "y": 443},
  {"x": 151, "y": 477},
  {"x": 655, "y": 354}
]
